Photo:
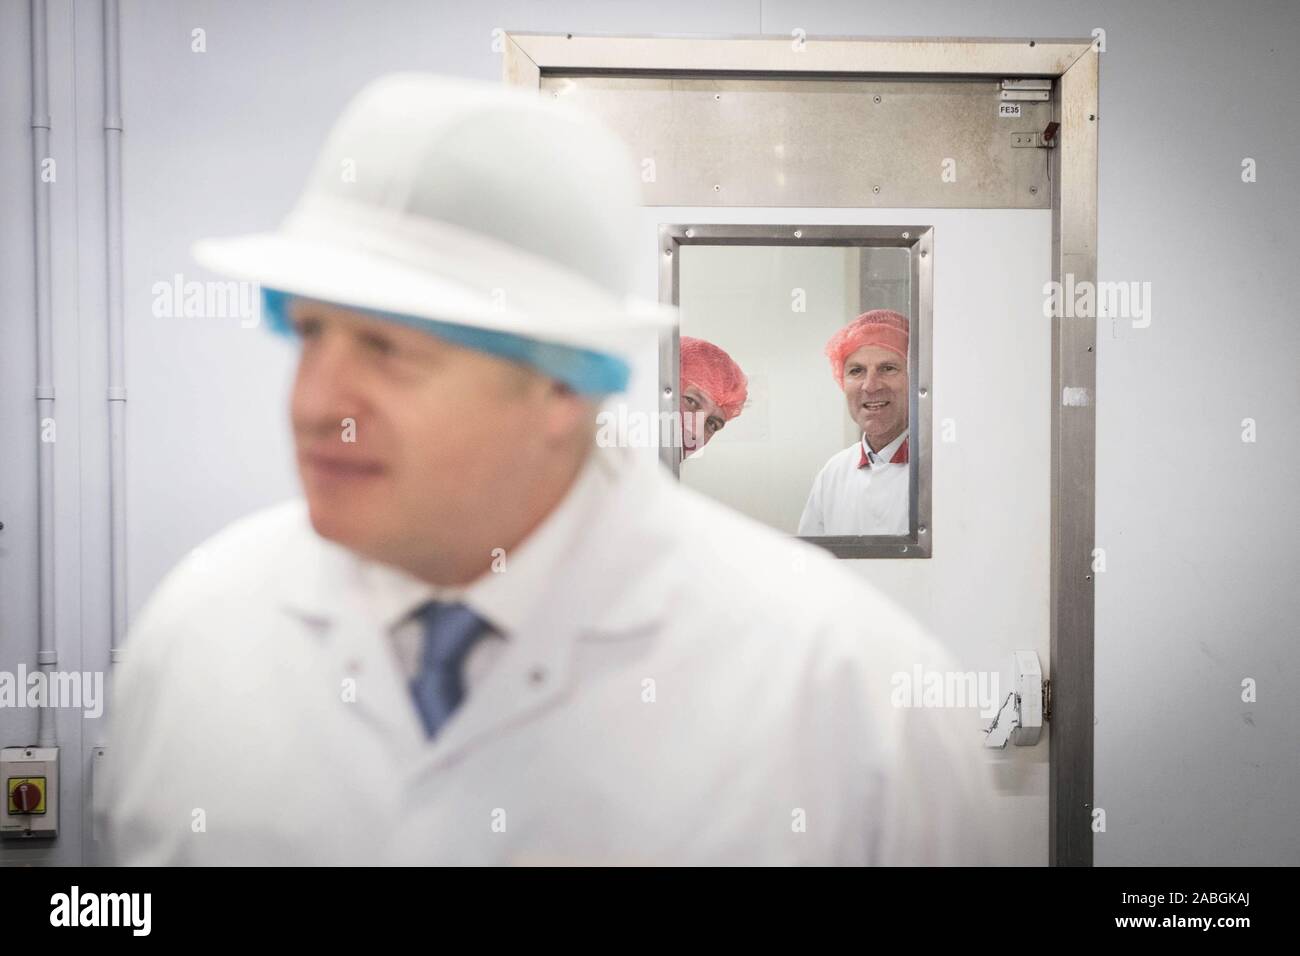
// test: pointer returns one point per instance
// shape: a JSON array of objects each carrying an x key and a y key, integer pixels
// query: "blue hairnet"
[{"x": 585, "y": 371}]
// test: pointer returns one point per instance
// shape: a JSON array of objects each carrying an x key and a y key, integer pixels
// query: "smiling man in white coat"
[
  {"x": 864, "y": 489},
  {"x": 479, "y": 638}
]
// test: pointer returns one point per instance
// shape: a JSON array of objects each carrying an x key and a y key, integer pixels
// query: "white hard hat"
[{"x": 461, "y": 202}]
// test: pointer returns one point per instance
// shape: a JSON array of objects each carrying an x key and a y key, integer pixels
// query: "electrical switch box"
[{"x": 29, "y": 805}]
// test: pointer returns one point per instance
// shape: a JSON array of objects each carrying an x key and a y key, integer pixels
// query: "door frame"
[{"x": 1073, "y": 66}]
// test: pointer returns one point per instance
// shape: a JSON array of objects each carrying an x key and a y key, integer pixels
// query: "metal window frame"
[
  {"x": 918, "y": 542},
  {"x": 1073, "y": 66}
]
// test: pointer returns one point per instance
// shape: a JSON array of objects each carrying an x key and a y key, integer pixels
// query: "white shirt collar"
[{"x": 886, "y": 453}]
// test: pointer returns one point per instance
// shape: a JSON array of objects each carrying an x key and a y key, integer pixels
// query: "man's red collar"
[{"x": 900, "y": 456}]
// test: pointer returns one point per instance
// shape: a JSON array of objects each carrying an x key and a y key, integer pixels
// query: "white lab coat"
[
  {"x": 698, "y": 689},
  {"x": 851, "y": 498}
]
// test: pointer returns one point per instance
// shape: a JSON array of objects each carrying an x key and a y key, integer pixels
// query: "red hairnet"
[
  {"x": 714, "y": 373},
  {"x": 879, "y": 327}
]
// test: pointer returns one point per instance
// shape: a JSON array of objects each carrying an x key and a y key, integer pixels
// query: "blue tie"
[{"x": 450, "y": 630}]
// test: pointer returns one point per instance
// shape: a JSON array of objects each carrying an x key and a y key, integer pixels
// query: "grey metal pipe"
[
  {"x": 116, "y": 336},
  {"x": 46, "y": 654}
]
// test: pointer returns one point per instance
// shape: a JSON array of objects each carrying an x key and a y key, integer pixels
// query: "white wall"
[{"x": 1199, "y": 591}]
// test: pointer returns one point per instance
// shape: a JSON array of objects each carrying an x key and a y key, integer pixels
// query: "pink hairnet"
[
  {"x": 879, "y": 327},
  {"x": 714, "y": 373}
]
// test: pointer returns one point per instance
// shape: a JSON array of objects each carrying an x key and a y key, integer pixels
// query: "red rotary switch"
[{"x": 26, "y": 797}]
